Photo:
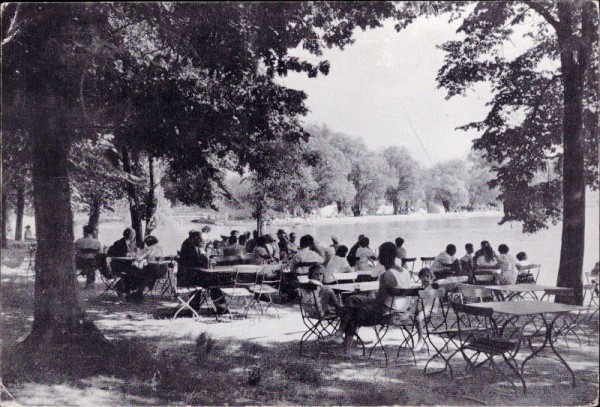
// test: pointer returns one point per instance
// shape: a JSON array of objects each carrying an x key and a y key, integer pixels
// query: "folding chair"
[
  {"x": 592, "y": 288},
  {"x": 570, "y": 322},
  {"x": 107, "y": 276},
  {"x": 86, "y": 265},
  {"x": 165, "y": 284},
  {"x": 264, "y": 289},
  {"x": 318, "y": 324},
  {"x": 526, "y": 273},
  {"x": 31, "y": 259},
  {"x": 427, "y": 261},
  {"x": 246, "y": 276},
  {"x": 484, "y": 276},
  {"x": 185, "y": 295},
  {"x": 487, "y": 340},
  {"x": 406, "y": 321},
  {"x": 409, "y": 264}
]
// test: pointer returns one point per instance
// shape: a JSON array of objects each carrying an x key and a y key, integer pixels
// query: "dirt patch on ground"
[{"x": 255, "y": 361}]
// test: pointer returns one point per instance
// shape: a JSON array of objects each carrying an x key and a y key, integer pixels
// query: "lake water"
[{"x": 426, "y": 237}]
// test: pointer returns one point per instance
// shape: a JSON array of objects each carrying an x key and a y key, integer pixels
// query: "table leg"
[
  {"x": 535, "y": 352},
  {"x": 549, "y": 334}
]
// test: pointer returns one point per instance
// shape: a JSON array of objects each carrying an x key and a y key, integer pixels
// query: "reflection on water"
[{"x": 422, "y": 237}]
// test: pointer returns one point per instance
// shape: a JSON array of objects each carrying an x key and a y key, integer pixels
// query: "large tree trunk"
[
  {"x": 19, "y": 213},
  {"x": 4, "y": 219},
  {"x": 573, "y": 64},
  {"x": 151, "y": 200},
  {"x": 58, "y": 317},
  {"x": 134, "y": 200},
  {"x": 94, "y": 217}
]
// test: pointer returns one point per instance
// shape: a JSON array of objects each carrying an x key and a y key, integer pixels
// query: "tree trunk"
[
  {"x": 19, "y": 213},
  {"x": 4, "y": 218},
  {"x": 259, "y": 220},
  {"x": 134, "y": 200},
  {"x": 150, "y": 200},
  {"x": 94, "y": 217},
  {"x": 573, "y": 64},
  {"x": 396, "y": 206},
  {"x": 58, "y": 317},
  {"x": 446, "y": 205}
]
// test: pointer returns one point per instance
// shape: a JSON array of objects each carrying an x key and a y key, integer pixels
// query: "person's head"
[
  {"x": 341, "y": 251},
  {"x": 399, "y": 242},
  {"x": 234, "y": 233},
  {"x": 360, "y": 237},
  {"x": 280, "y": 233},
  {"x": 261, "y": 241},
  {"x": 27, "y": 227},
  {"x": 451, "y": 249},
  {"x": 503, "y": 249},
  {"x": 192, "y": 233},
  {"x": 242, "y": 240},
  {"x": 306, "y": 241},
  {"x": 269, "y": 238},
  {"x": 364, "y": 242},
  {"x": 469, "y": 248},
  {"x": 196, "y": 239},
  {"x": 484, "y": 244},
  {"x": 150, "y": 240},
  {"x": 335, "y": 239},
  {"x": 387, "y": 255},
  {"x": 426, "y": 276},
  {"x": 255, "y": 234},
  {"x": 488, "y": 252},
  {"x": 88, "y": 230},
  {"x": 316, "y": 272},
  {"x": 232, "y": 239},
  {"x": 521, "y": 256},
  {"x": 129, "y": 234},
  {"x": 205, "y": 229},
  {"x": 292, "y": 237}
]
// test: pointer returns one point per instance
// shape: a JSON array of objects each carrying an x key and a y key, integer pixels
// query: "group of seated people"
[
  {"x": 504, "y": 266},
  {"x": 366, "y": 309},
  {"x": 137, "y": 267}
]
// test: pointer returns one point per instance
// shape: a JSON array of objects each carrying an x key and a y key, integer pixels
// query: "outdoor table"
[
  {"x": 519, "y": 290},
  {"x": 531, "y": 309}
]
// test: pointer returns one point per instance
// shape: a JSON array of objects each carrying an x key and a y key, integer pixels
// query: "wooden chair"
[{"x": 319, "y": 324}]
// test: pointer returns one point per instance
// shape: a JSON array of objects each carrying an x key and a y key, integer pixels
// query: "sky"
[{"x": 382, "y": 88}]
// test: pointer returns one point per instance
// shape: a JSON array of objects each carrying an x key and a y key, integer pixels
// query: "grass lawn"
[{"x": 162, "y": 362}]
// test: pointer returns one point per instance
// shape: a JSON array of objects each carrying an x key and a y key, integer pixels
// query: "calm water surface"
[{"x": 422, "y": 237}]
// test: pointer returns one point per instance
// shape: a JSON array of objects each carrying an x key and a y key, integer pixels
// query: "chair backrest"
[
  {"x": 272, "y": 272},
  {"x": 103, "y": 266},
  {"x": 409, "y": 261},
  {"x": 526, "y": 273},
  {"x": 344, "y": 277},
  {"x": 476, "y": 321},
  {"x": 310, "y": 306},
  {"x": 484, "y": 276},
  {"x": 414, "y": 300},
  {"x": 471, "y": 293},
  {"x": 431, "y": 300}
]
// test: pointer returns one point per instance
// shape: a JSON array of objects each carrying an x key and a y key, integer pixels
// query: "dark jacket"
[
  {"x": 118, "y": 249},
  {"x": 189, "y": 256}
]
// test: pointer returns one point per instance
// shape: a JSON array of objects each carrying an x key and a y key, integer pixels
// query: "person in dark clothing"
[
  {"x": 352, "y": 253},
  {"x": 192, "y": 254},
  {"x": 124, "y": 247}
]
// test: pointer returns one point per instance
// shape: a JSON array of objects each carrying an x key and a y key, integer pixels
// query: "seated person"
[
  {"x": 488, "y": 260},
  {"x": 522, "y": 260},
  {"x": 272, "y": 247},
  {"x": 147, "y": 271},
  {"x": 303, "y": 256},
  {"x": 352, "y": 252},
  {"x": 364, "y": 255},
  {"x": 445, "y": 262},
  {"x": 428, "y": 294},
  {"x": 233, "y": 248},
  {"x": 124, "y": 247},
  {"x": 261, "y": 254},
  {"x": 329, "y": 302},
  {"x": 28, "y": 235},
  {"x": 508, "y": 270},
  {"x": 85, "y": 256},
  {"x": 479, "y": 253},
  {"x": 338, "y": 264},
  {"x": 401, "y": 251},
  {"x": 360, "y": 310},
  {"x": 191, "y": 255}
]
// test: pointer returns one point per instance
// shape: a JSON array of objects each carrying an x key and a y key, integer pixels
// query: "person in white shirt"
[
  {"x": 364, "y": 255},
  {"x": 508, "y": 271},
  {"x": 445, "y": 260},
  {"x": 337, "y": 264},
  {"x": 305, "y": 255}
]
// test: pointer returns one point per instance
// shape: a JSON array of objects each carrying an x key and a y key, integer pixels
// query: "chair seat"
[
  {"x": 490, "y": 345},
  {"x": 236, "y": 292},
  {"x": 266, "y": 289},
  {"x": 188, "y": 290}
]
